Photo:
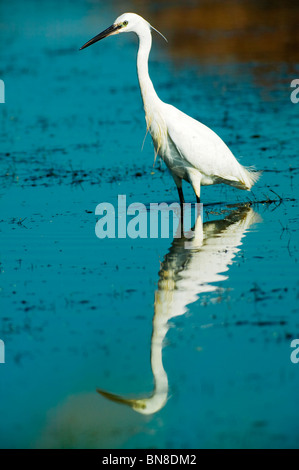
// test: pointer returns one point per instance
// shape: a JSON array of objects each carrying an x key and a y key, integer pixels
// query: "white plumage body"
[{"x": 199, "y": 156}]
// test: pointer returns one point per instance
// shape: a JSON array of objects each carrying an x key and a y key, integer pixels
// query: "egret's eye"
[{"x": 125, "y": 23}]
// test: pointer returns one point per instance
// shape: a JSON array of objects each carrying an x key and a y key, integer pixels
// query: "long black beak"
[{"x": 112, "y": 29}]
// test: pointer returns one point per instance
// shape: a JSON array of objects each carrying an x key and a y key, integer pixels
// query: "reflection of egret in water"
[{"x": 184, "y": 275}]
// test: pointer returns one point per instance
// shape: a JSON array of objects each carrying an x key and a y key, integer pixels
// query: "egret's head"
[
  {"x": 131, "y": 22},
  {"x": 128, "y": 22},
  {"x": 144, "y": 406}
]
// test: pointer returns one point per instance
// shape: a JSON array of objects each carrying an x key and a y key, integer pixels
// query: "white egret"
[{"x": 191, "y": 150}]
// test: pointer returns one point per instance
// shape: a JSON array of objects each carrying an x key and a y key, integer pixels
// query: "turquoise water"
[{"x": 197, "y": 338}]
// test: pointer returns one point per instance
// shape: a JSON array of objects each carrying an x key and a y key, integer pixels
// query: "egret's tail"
[
  {"x": 244, "y": 178},
  {"x": 248, "y": 176}
]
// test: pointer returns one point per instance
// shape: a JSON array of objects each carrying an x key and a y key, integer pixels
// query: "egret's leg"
[
  {"x": 182, "y": 202},
  {"x": 181, "y": 195},
  {"x": 195, "y": 180},
  {"x": 178, "y": 183}
]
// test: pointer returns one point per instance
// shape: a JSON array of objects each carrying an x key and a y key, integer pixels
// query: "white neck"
[{"x": 147, "y": 89}]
